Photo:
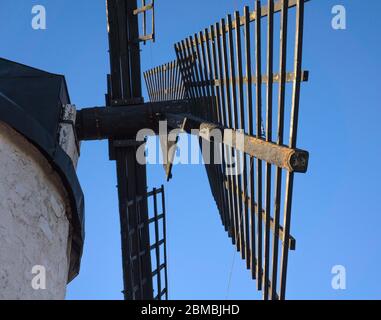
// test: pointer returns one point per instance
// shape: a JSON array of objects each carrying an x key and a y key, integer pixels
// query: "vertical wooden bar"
[
  {"x": 217, "y": 118},
  {"x": 191, "y": 69},
  {"x": 292, "y": 142},
  {"x": 242, "y": 176},
  {"x": 249, "y": 94},
  {"x": 258, "y": 66},
  {"x": 152, "y": 87},
  {"x": 146, "y": 80},
  {"x": 220, "y": 98},
  {"x": 157, "y": 76},
  {"x": 169, "y": 81},
  {"x": 169, "y": 86},
  {"x": 205, "y": 51},
  {"x": 153, "y": 84},
  {"x": 210, "y": 76},
  {"x": 162, "y": 81},
  {"x": 125, "y": 243},
  {"x": 205, "y": 92},
  {"x": 157, "y": 247},
  {"x": 233, "y": 123},
  {"x": 232, "y": 191},
  {"x": 205, "y": 75},
  {"x": 184, "y": 68},
  {"x": 278, "y": 174},
  {"x": 177, "y": 79},
  {"x": 157, "y": 83},
  {"x": 173, "y": 82},
  {"x": 166, "y": 84},
  {"x": 219, "y": 40},
  {"x": 200, "y": 72},
  {"x": 269, "y": 119},
  {"x": 165, "y": 239},
  {"x": 194, "y": 72},
  {"x": 216, "y": 76}
]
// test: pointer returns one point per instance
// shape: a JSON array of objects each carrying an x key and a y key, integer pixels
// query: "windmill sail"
[{"x": 246, "y": 92}]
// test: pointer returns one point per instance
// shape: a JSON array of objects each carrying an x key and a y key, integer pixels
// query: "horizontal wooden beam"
[
  {"x": 125, "y": 121},
  {"x": 293, "y": 160}
]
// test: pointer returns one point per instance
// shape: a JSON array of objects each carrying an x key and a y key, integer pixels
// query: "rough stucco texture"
[{"x": 34, "y": 228}]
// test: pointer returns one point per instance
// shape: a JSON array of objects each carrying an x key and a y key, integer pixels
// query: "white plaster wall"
[{"x": 34, "y": 228}]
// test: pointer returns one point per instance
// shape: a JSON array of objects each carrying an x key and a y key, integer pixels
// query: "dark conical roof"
[{"x": 38, "y": 93}]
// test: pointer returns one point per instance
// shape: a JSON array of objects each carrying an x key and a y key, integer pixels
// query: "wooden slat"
[
  {"x": 258, "y": 94},
  {"x": 233, "y": 196},
  {"x": 292, "y": 143},
  {"x": 269, "y": 119},
  {"x": 234, "y": 153},
  {"x": 220, "y": 100},
  {"x": 242, "y": 177},
  {"x": 278, "y": 174},
  {"x": 225, "y": 96}
]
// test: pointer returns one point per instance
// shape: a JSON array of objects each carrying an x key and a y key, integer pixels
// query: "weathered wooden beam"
[
  {"x": 119, "y": 122},
  {"x": 293, "y": 160},
  {"x": 103, "y": 123}
]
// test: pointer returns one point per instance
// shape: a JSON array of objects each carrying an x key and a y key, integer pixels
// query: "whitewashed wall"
[{"x": 34, "y": 229}]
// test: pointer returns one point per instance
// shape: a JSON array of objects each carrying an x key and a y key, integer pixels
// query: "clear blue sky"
[{"x": 336, "y": 212}]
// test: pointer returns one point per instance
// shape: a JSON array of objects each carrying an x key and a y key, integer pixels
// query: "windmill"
[
  {"x": 221, "y": 88},
  {"x": 215, "y": 82}
]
